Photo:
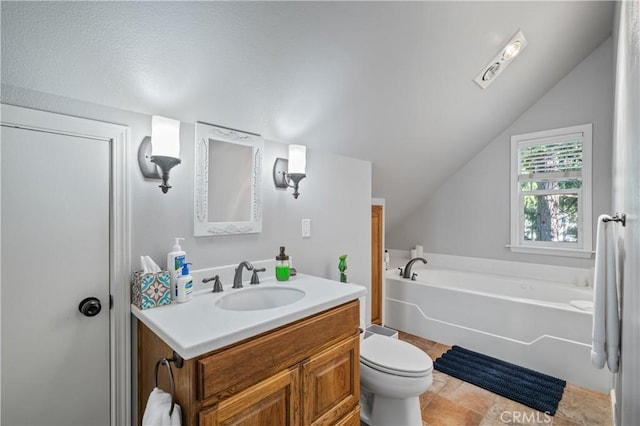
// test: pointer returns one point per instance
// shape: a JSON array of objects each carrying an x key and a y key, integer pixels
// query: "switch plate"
[{"x": 306, "y": 228}]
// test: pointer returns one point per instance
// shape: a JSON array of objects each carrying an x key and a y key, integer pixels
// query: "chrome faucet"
[
  {"x": 407, "y": 269},
  {"x": 237, "y": 277}
]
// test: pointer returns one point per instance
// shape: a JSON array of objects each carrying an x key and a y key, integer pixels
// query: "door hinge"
[{"x": 110, "y": 301}]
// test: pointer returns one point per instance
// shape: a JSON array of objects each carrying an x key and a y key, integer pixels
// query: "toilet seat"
[{"x": 395, "y": 357}]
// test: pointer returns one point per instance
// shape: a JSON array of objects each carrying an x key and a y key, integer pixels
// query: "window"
[{"x": 551, "y": 192}]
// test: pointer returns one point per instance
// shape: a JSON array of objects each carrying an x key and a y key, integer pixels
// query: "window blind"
[{"x": 552, "y": 158}]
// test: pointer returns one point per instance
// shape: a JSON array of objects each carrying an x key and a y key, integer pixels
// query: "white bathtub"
[{"x": 523, "y": 321}]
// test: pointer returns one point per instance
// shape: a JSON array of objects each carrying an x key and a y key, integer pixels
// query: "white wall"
[
  {"x": 469, "y": 214},
  {"x": 626, "y": 198},
  {"x": 336, "y": 196}
]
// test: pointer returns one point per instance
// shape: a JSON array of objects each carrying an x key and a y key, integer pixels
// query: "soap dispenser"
[
  {"x": 282, "y": 266},
  {"x": 184, "y": 285},
  {"x": 175, "y": 261}
]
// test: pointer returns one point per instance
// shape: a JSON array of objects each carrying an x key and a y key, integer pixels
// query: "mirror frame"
[{"x": 202, "y": 226}]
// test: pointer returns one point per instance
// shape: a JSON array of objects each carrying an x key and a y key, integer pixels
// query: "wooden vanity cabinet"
[
  {"x": 274, "y": 401},
  {"x": 304, "y": 373}
]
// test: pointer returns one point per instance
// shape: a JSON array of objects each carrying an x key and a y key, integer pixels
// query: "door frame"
[
  {"x": 381, "y": 202},
  {"x": 119, "y": 236}
]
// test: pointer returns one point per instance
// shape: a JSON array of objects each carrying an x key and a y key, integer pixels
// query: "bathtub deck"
[{"x": 450, "y": 401}]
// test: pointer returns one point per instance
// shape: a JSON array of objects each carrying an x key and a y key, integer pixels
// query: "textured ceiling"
[{"x": 388, "y": 82}]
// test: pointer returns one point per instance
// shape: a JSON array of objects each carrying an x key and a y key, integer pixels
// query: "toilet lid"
[{"x": 394, "y": 357}]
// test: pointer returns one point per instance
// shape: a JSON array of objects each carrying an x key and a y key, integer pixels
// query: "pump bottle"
[
  {"x": 184, "y": 285},
  {"x": 282, "y": 266},
  {"x": 175, "y": 261}
]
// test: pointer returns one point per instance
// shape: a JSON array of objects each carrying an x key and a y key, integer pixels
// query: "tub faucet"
[
  {"x": 237, "y": 277},
  {"x": 407, "y": 269}
]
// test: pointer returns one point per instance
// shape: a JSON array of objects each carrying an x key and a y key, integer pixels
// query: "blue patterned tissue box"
[{"x": 150, "y": 290}]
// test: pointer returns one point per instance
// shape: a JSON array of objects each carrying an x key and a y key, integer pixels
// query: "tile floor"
[{"x": 450, "y": 401}]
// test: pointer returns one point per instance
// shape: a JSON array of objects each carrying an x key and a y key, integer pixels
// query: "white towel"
[
  {"x": 606, "y": 321},
  {"x": 157, "y": 411}
]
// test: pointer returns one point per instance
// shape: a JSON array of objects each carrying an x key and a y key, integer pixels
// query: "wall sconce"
[
  {"x": 158, "y": 153},
  {"x": 291, "y": 170}
]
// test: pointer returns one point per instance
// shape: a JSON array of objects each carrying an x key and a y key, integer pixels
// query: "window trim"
[{"x": 583, "y": 248}]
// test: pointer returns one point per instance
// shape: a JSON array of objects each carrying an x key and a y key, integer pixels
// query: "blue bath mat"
[{"x": 528, "y": 387}]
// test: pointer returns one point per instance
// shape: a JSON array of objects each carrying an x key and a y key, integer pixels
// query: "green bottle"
[{"x": 283, "y": 266}]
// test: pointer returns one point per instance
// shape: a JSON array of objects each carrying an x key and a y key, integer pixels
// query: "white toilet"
[{"x": 393, "y": 375}]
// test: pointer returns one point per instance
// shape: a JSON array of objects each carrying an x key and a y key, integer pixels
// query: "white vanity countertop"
[{"x": 197, "y": 327}]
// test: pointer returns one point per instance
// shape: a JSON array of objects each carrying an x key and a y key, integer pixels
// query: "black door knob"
[{"x": 90, "y": 307}]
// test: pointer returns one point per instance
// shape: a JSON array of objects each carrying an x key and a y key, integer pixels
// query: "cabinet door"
[
  {"x": 351, "y": 419},
  {"x": 331, "y": 383},
  {"x": 274, "y": 401}
]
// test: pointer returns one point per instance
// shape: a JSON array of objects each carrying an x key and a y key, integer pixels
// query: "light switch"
[{"x": 306, "y": 228}]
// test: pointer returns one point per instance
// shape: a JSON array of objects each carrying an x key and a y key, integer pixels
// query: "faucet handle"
[
  {"x": 413, "y": 276},
  {"x": 401, "y": 271},
  {"x": 217, "y": 285},
  {"x": 254, "y": 277}
]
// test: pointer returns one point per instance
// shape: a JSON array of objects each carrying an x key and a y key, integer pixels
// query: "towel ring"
[
  {"x": 166, "y": 362},
  {"x": 618, "y": 217}
]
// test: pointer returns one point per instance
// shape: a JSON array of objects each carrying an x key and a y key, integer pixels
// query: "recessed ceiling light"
[
  {"x": 491, "y": 72},
  {"x": 499, "y": 62},
  {"x": 512, "y": 50}
]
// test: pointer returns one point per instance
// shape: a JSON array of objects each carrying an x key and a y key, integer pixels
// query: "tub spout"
[{"x": 407, "y": 269}]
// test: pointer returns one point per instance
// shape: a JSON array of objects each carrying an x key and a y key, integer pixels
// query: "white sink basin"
[{"x": 259, "y": 298}]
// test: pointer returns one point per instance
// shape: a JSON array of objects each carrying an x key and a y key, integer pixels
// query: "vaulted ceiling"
[{"x": 388, "y": 82}]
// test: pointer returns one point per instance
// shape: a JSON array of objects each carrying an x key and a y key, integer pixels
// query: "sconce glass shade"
[
  {"x": 292, "y": 170},
  {"x": 161, "y": 152},
  {"x": 297, "y": 159},
  {"x": 165, "y": 137}
]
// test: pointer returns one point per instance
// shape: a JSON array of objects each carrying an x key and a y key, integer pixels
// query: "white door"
[{"x": 55, "y": 253}]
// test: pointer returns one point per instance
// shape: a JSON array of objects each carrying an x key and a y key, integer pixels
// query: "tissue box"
[{"x": 150, "y": 290}]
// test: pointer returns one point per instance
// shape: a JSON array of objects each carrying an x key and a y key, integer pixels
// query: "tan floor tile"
[
  {"x": 426, "y": 398},
  {"x": 490, "y": 421},
  {"x": 442, "y": 346},
  {"x": 507, "y": 412},
  {"x": 584, "y": 407},
  {"x": 486, "y": 421},
  {"x": 439, "y": 381},
  {"x": 470, "y": 396},
  {"x": 419, "y": 342},
  {"x": 581, "y": 392},
  {"x": 435, "y": 351},
  {"x": 450, "y": 401},
  {"x": 540, "y": 420},
  {"x": 451, "y": 385},
  {"x": 442, "y": 412},
  {"x": 561, "y": 421}
]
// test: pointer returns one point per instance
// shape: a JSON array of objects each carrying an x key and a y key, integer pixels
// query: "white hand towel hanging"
[
  {"x": 606, "y": 320},
  {"x": 158, "y": 408}
]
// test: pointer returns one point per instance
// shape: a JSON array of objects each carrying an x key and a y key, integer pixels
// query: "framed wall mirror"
[{"x": 228, "y": 170}]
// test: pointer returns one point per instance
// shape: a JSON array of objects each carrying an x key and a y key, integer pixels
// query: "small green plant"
[{"x": 342, "y": 266}]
